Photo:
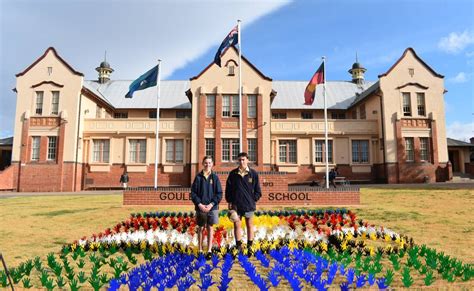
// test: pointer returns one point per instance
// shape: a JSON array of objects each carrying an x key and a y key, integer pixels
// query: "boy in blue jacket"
[
  {"x": 206, "y": 193},
  {"x": 242, "y": 192}
]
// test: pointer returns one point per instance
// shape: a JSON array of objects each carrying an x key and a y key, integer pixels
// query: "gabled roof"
[
  {"x": 339, "y": 94},
  {"x": 243, "y": 58},
  {"x": 417, "y": 57},
  {"x": 172, "y": 94},
  {"x": 458, "y": 143},
  {"x": 57, "y": 56},
  {"x": 8, "y": 141},
  {"x": 375, "y": 86}
]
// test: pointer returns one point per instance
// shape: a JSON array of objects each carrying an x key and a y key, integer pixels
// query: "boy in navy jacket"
[
  {"x": 242, "y": 193},
  {"x": 206, "y": 193}
]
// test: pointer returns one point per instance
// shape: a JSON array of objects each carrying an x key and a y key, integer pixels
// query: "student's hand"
[
  {"x": 209, "y": 207},
  {"x": 202, "y": 207}
]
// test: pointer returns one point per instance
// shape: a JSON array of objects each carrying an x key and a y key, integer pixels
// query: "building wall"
[
  {"x": 85, "y": 118},
  {"x": 217, "y": 81},
  {"x": 412, "y": 76}
]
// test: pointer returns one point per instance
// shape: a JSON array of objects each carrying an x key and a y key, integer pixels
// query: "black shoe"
[
  {"x": 250, "y": 252},
  {"x": 208, "y": 256}
]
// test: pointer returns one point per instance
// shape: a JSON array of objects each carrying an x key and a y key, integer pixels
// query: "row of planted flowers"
[
  {"x": 292, "y": 249},
  {"x": 314, "y": 229}
]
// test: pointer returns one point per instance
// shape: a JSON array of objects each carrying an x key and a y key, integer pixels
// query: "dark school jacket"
[
  {"x": 207, "y": 190},
  {"x": 243, "y": 192}
]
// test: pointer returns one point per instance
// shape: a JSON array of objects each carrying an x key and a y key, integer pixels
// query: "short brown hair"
[
  {"x": 207, "y": 158},
  {"x": 243, "y": 155}
]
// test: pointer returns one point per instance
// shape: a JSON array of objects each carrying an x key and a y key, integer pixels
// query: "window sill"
[
  {"x": 136, "y": 168},
  {"x": 100, "y": 168},
  {"x": 177, "y": 168},
  {"x": 290, "y": 168}
]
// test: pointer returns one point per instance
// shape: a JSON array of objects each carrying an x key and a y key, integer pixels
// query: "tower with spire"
[
  {"x": 104, "y": 70},
  {"x": 357, "y": 72}
]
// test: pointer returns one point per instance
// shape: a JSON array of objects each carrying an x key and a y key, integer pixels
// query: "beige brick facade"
[{"x": 96, "y": 140}]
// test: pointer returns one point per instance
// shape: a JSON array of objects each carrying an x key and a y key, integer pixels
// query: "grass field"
[{"x": 36, "y": 226}]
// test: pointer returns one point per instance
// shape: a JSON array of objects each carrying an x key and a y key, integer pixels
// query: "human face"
[
  {"x": 243, "y": 161},
  {"x": 207, "y": 164}
]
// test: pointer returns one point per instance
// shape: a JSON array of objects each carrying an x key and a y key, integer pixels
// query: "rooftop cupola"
[
  {"x": 104, "y": 70},
  {"x": 357, "y": 72}
]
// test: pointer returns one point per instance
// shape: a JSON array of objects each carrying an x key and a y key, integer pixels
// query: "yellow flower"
[
  {"x": 143, "y": 245},
  {"x": 373, "y": 236},
  {"x": 387, "y": 238},
  {"x": 324, "y": 246},
  {"x": 372, "y": 251},
  {"x": 344, "y": 245},
  {"x": 292, "y": 244}
]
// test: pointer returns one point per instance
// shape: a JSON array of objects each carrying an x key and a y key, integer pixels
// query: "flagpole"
[
  {"x": 325, "y": 124},
  {"x": 240, "y": 85},
  {"x": 157, "y": 123}
]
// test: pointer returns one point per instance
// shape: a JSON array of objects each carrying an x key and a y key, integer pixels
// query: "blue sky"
[{"x": 284, "y": 39}]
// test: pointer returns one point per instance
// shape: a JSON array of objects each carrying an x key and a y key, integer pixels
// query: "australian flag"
[
  {"x": 144, "y": 81},
  {"x": 231, "y": 39}
]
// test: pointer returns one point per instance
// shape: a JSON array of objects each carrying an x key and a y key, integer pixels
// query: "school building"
[{"x": 72, "y": 134}]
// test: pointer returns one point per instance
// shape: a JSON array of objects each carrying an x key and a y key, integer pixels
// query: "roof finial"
[
  {"x": 357, "y": 59},
  {"x": 105, "y": 56}
]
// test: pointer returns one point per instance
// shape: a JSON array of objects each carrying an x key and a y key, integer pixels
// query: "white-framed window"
[
  {"x": 420, "y": 100},
  {"x": 211, "y": 147},
  {"x": 235, "y": 106},
  {"x": 278, "y": 115},
  {"x": 230, "y": 149},
  {"x": 360, "y": 151},
  {"x": 35, "y": 147},
  {"x": 52, "y": 148},
  {"x": 320, "y": 150},
  {"x": 226, "y": 106},
  {"x": 306, "y": 115},
  {"x": 409, "y": 149},
  {"x": 338, "y": 115},
  {"x": 121, "y": 115},
  {"x": 181, "y": 114},
  {"x": 101, "y": 151},
  {"x": 287, "y": 151},
  {"x": 231, "y": 70},
  {"x": 137, "y": 151},
  {"x": 252, "y": 106},
  {"x": 425, "y": 149},
  {"x": 211, "y": 106},
  {"x": 230, "y": 106},
  {"x": 152, "y": 114},
  {"x": 55, "y": 103},
  {"x": 252, "y": 149},
  {"x": 174, "y": 151},
  {"x": 406, "y": 104},
  {"x": 39, "y": 102}
]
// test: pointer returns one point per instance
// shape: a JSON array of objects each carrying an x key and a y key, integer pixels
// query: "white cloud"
[
  {"x": 135, "y": 34},
  {"x": 456, "y": 42},
  {"x": 460, "y": 78},
  {"x": 460, "y": 131}
]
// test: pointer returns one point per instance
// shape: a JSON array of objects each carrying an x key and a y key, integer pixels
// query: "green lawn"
[{"x": 36, "y": 226}]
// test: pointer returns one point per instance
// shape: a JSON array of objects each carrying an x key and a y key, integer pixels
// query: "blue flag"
[
  {"x": 144, "y": 81},
  {"x": 231, "y": 39}
]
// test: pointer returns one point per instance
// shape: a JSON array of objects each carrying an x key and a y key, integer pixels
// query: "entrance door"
[{"x": 454, "y": 159}]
